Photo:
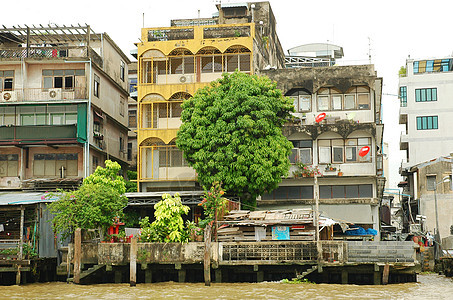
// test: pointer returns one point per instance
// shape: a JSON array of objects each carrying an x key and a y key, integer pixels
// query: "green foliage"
[
  {"x": 232, "y": 133},
  {"x": 213, "y": 200},
  {"x": 94, "y": 205},
  {"x": 131, "y": 186},
  {"x": 296, "y": 281},
  {"x": 168, "y": 226},
  {"x": 9, "y": 251},
  {"x": 402, "y": 72}
]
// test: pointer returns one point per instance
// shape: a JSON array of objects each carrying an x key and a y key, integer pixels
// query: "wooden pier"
[{"x": 341, "y": 262}]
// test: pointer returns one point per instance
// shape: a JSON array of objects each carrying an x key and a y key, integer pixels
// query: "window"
[
  {"x": 425, "y": 123},
  {"x": 237, "y": 58},
  {"x": 95, "y": 163},
  {"x": 289, "y": 193},
  {"x": 129, "y": 151},
  {"x": 403, "y": 96},
  {"x": 132, "y": 85},
  {"x": 122, "y": 70},
  {"x": 345, "y": 191},
  {"x": 97, "y": 83},
  {"x": 51, "y": 115},
  {"x": 352, "y": 148},
  {"x": 55, "y": 164},
  {"x": 64, "y": 79},
  {"x": 7, "y": 115},
  {"x": 122, "y": 106},
  {"x": 179, "y": 65},
  {"x": 340, "y": 151},
  {"x": 133, "y": 118},
  {"x": 430, "y": 182},
  {"x": 302, "y": 152},
  {"x": 331, "y": 151},
  {"x": 121, "y": 142},
  {"x": 6, "y": 80},
  {"x": 171, "y": 156},
  {"x": 301, "y": 100},
  {"x": 9, "y": 165},
  {"x": 355, "y": 98},
  {"x": 424, "y": 95},
  {"x": 437, "y": 65}
]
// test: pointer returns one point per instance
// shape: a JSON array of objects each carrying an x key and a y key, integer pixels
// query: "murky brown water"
[{"x": 427, "y": 287}]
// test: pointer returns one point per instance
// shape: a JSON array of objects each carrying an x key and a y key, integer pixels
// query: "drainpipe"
[{"x": 87, "y": 142}]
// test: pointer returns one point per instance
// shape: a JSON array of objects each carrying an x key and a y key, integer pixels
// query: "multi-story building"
[
  {"x": 425, "y": 90},
  {"x": 425, "y": 109},
  {"x": 132, "y": 123},
  {"x": 351, "y": 185},
  {"x": 174, "y": 62},
  {"x": 63, "y": 105}
]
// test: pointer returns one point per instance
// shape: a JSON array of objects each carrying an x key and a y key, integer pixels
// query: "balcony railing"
[
  {"x": 50, "y": 53},
  {"x": 39, "y": 94},
  {"x": 41, "y": 133}
]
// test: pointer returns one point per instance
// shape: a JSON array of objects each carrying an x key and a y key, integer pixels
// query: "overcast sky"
[{"x": 395, "y": 29}]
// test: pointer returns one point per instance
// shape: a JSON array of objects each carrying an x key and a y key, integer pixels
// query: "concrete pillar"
[
  {"x": 218, "y": 275},
  {"x": 77, "y": 254},
  {"x": 182, "y": 275},
  {"x": 344, "y": 276},
  {"x": 148, "y": 275},
  {"x": 133, "y": 262},
  {"x": 118, "y": 276}
]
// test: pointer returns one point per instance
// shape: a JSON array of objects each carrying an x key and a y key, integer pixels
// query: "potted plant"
[{"x": 340, "y": 173}]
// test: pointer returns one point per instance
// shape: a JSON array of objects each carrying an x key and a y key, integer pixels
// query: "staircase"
[
  {"x": 86, "y": 273},
  {"x": 308, "y": 271}
]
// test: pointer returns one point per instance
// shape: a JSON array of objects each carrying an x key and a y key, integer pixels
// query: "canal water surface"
[{"x": 428, "y": 287}]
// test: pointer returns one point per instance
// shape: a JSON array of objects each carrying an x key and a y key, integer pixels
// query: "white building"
[{"x": 426, "y": 109}]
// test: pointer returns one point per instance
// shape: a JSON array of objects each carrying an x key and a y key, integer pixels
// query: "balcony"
[
  {"x": 38, "y": 134},
  {"x": 50, "y": 53},
  {"x": 38, "y": 94},
  {"x": 404, "y": 142},
  {"x": 198, "y": 32}
]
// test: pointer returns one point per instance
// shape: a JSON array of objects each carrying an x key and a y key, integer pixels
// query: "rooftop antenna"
[
  {"x": 143, "y": 20},
  {"x": 369, "y": 50},
  {"x": 198, "y": 14}
]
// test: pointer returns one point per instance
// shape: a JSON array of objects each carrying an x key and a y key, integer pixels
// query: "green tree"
[
  {"x": 232, "y": 133},
  {"x": 94, "y": 205},
  {"x": 168, "y": 225}
]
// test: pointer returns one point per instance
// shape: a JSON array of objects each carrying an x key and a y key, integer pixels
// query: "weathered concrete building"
[
  {"x": 63, "y": 105},
  {"x": 426, "y": 183},
  {"x": 351, "y": 185}
]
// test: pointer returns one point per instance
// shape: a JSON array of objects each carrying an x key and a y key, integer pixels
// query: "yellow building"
[{"x": 174, "y": 62}]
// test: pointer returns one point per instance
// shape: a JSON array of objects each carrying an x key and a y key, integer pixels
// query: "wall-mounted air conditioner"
[
  {"x": 8, "y": 96},
  {"x": 186, "y": 78},
  {"x": 54, "y": 94}
]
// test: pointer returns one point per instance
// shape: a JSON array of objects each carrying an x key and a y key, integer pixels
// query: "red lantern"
[
  {"x": 320, "y": 117},
  {"x": 364, "y": 151}
]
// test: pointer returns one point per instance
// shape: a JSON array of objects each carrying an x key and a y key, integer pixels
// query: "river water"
[{"x": 428, "y": 287}]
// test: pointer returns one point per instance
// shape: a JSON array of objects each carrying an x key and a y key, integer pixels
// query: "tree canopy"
[
  {"x": 94, "y": 205},
  {"x": 232, "y": 133}
]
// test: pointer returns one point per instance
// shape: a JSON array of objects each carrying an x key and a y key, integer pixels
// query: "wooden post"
[
  {"x": 18, "y": 275},
  {"x": 385, "y": 274},
  {"x": 21, "y": 233},
  {"x": 133, "y": 263},
  {"x": 77, "y": 254},
  {"x": 207, "y": 256}
]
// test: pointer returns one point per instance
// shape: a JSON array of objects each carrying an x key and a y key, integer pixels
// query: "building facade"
[
  {"x": 350, "y": 185},
  {"x": 174, "y": 62},
  {"x": 425, "y": 110},
  {"x": 63, "y": 105}
]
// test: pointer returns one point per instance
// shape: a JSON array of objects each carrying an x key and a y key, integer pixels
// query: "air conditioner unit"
[
  {"x": 8, "y": 96},
  {"x": 55, "y": 94},
  {"x": 186, "y": 78}
]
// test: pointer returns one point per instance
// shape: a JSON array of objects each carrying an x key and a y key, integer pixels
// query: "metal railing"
[{"x": 40, "y": 94}]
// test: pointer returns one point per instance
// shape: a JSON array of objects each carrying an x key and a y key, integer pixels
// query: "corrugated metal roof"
[
  {"x": 23, "y": 198},
  {"x": 238, "y": 4}
]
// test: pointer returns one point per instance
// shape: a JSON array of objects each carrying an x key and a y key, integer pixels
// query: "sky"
[{"x": 388, "y": 30}]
